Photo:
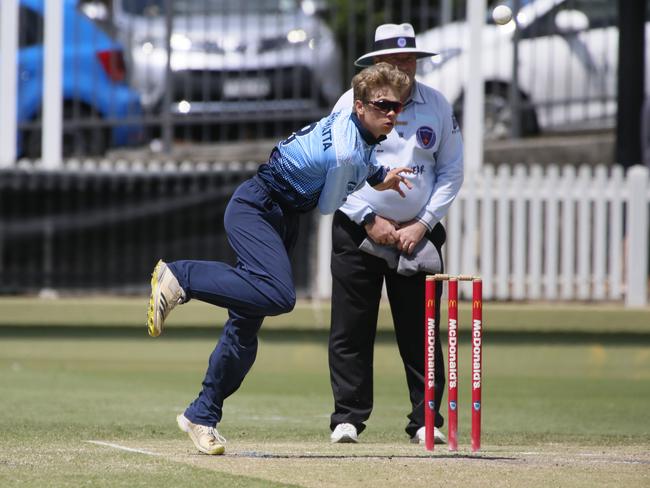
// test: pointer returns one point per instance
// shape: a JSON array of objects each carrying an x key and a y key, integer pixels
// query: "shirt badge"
[{"x": 426, "y": 137}]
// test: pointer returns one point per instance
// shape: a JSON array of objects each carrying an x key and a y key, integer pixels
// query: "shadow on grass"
[{"x": 313, "y": 336}]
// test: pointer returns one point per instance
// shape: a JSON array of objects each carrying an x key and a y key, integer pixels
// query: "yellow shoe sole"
[{"x": 153, "y": 331}]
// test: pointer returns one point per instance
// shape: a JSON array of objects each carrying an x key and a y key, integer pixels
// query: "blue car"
[{"x": 99, "y": 109}]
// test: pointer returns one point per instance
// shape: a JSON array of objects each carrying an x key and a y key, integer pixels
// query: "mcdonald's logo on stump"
[{"x": 453, "y": 359}]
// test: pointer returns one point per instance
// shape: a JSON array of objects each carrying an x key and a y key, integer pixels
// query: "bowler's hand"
[
  {"x": 393, "y": 180},
  {"x": 382, "y": 231},
  {"x": 409, "y": 235}
]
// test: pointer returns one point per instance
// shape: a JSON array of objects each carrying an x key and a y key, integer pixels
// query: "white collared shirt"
[{"x": 427, "y": 139}]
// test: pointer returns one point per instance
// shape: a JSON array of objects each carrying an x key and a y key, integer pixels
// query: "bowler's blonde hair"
[{"x": 379, "y": 75}]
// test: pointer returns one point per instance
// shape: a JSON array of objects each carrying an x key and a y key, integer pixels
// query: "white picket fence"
[{"x": 549, "y": 233}]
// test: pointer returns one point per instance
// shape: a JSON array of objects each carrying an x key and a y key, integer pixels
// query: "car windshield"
[{"x": 154, "y": 8}]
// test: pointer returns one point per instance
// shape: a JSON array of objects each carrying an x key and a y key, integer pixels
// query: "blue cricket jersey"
[{"x": 322, "y": 163}]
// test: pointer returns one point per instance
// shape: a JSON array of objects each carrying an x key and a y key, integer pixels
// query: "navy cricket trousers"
[{"x": 262, "y": 233}]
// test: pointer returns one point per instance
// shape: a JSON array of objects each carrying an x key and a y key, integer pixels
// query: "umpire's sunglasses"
[{"x": 386, "y": 106}]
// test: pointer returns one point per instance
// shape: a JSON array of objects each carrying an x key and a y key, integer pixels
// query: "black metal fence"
[
  {"x": 263, "y": 68},
  {"x": 102, "y": 229}
]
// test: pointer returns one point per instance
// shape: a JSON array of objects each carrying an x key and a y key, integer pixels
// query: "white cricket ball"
[{"x": 502, "y": 14}]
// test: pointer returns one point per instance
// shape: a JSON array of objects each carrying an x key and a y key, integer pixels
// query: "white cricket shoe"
[
  {"x": 206, "y": 439},
  {"x": 438, "y": 437},
  {"x": 344, "y": 433},
  {"x": 166, "y": 293}
]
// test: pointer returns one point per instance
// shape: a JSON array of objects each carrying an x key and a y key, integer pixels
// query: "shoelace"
[{"x": 212, "y": 432}]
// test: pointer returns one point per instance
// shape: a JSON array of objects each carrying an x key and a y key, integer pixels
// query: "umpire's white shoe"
[
  {"x": 344, "y": 433},
  {"x": 166, "y": 293},
  {"x": 438, "y": 437},
  {"x": 206, "y": 439}
]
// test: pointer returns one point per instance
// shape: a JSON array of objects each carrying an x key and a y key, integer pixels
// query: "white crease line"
[{"x": 124, "y": 448}]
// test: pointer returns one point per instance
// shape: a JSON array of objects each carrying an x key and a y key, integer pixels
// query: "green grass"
[
  {"x": 130, "y": 312},
  {"x": 552, "y": 383}
]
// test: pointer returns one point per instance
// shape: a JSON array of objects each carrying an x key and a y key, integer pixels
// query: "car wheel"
[
  {"x": 78, "y": 140},
  {"x": 83, "y": 140},
  {"x": 499, "y": 115}
]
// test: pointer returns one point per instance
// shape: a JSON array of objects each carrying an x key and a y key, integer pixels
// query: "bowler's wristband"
[{"x": 378, "y": 177}]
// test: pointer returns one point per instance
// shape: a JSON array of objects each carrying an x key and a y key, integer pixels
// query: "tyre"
[
  {"x": 499, "y": 115},
  {"x": 81, "y": 135}
]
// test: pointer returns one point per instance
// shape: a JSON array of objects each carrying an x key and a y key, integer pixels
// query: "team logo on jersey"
[{"x": 426, "y": 137}]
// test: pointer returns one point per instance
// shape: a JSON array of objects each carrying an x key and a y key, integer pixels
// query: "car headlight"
[
  {"x": 296, "y": 36},
  {"x": 146, "y": 43},
  {"x": 293, "y": 38},
  {"x": 179, "y": 42}
]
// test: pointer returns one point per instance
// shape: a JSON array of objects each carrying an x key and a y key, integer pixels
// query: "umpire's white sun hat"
[{"x": 393, "y": 39}]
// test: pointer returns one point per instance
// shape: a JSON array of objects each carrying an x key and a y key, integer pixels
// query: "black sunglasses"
[{"x": 386, "y": 106}]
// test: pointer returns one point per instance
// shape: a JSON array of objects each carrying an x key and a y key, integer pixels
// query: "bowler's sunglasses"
[{"x": 386, "y": 106}]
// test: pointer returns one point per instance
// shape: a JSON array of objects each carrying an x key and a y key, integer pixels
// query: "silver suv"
[{"x": 231, "y": 59}]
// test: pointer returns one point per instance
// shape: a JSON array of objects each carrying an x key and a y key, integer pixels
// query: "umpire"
[{"x": 392, "y": 230}]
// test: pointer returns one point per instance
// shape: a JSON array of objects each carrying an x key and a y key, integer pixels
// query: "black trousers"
[{"x": 357, "y": 279}]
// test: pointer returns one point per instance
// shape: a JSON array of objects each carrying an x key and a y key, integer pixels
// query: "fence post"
[
  {"x": 473, "y": 110},
  {"x": 167, "y": 129},
  {"x": 52, "y": 120},
  {"x": 636, "y": 260},
  {"x": 322, "y": 285},
  {"x": 8, "y": 84}
]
